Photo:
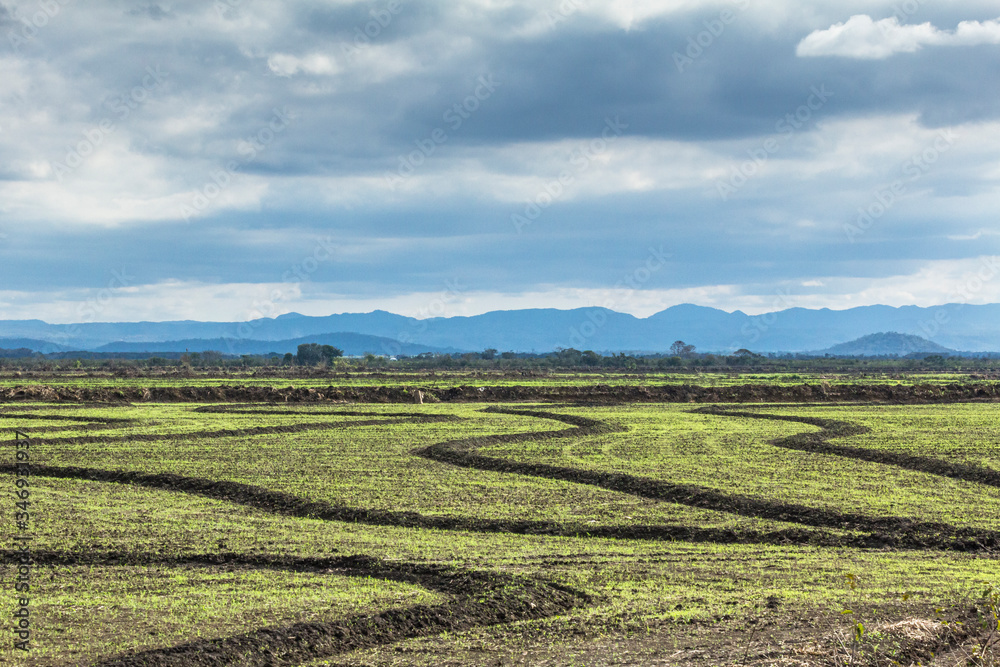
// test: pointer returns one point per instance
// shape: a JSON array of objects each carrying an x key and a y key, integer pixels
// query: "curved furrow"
[
  {"x": 480, "y": 599},
  {"x": 818, "y": 443},
  {"x": 895, "y": 531}
]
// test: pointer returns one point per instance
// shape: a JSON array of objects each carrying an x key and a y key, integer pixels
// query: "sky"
[{"x": 232, "y": 159}]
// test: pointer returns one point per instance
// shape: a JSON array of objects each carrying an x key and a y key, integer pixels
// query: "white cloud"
[
  {"x": 284, "y": 64},
  {"x": 379, "y": 62},
  {"x": 628, "y": 14},
  {"x": 165, "y": 301},
  {"x": 864, "y": 38},
  {"x": 971, "y": 281},
  {"x": 978, "y": 234},
  {"x": 117, "y": 186}
]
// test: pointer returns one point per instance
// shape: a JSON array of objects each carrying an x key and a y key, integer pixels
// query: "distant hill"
[
  {"x": 351, "y": 343},
  {"x": 975, "y": 328},
  {"x": 887, "y": 344}
]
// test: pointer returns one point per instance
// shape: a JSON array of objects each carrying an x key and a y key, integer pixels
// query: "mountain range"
[{"x": 974, "y": 328}]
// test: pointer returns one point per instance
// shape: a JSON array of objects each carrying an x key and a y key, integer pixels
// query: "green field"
[{"x": 528, "y": 533}]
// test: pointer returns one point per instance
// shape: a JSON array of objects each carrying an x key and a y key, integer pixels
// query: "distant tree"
[
  {"x": 211, "y": 357},
  {"x": 569, "y": 356},
  {"x": 743, "y": 356},
  {"x": 308, "y": 354},
  {"x": 329, "y": 353},
  {"x": 591, "y": 358},
  {"x": 373, "y": 360},
  {"x": 311, "y": 354},
  {"x": 934, "y": 360},
  {"x": 489, "y": 354},
  {"x": 288, "y": 359},
  {"x": 681, "y": 349}
]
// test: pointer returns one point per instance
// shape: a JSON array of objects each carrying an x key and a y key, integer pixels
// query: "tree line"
[{"x": 680, "y": 358}]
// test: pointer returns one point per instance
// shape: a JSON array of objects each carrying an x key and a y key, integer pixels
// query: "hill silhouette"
[{"x": 887, "y": 344}]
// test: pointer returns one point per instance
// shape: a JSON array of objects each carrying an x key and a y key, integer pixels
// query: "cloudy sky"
[{"x": 231, "y": 159}]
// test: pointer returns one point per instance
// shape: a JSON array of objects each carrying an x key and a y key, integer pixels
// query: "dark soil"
[{"x": 594, "y": 394}]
